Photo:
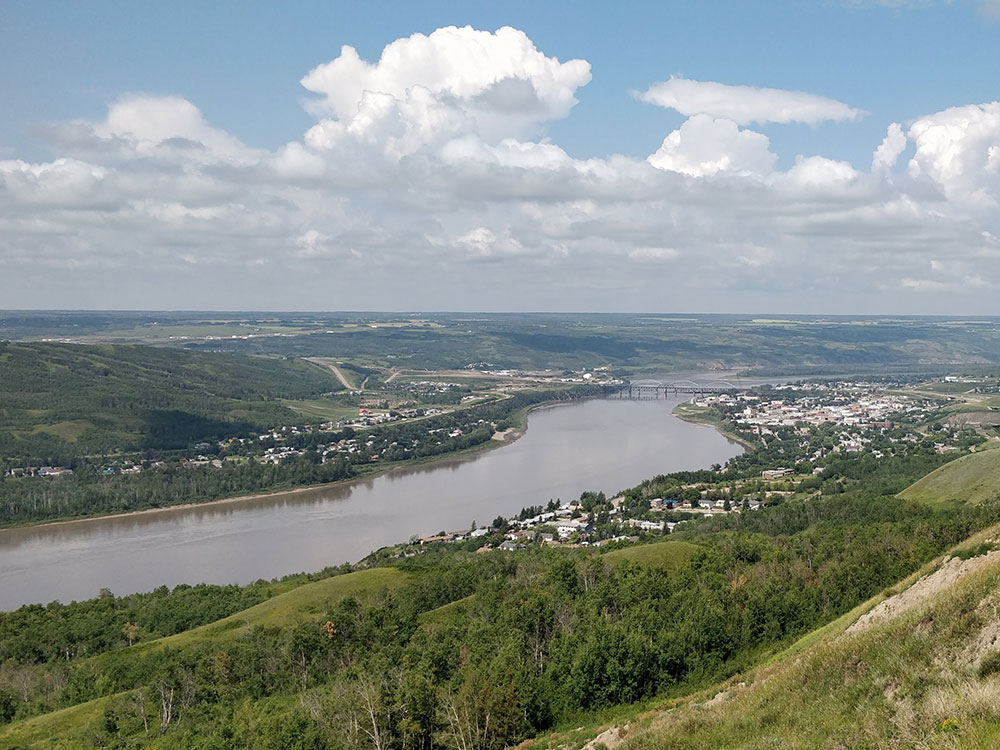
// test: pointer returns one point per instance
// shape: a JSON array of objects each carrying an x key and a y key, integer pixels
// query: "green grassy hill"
[
  {"x": 973, "y": 479},
  {"x": 285, "y": 610},
  {"x": 63, "y": 400},
  {"x": 66, "y": 729}
]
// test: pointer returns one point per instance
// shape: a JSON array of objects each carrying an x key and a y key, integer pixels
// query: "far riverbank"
[{"x": 499, "y": 440}]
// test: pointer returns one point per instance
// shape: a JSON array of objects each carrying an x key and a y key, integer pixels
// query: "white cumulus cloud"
[
  {"x": 818, "y": 171},
  {"x": 147, "y": 126},
  {"x": 892, "y": 146},
  {"x": 453, "y": 81},
  {"x": 705, "y": 146},
  {"x": 746, "y": 104},
  {"x": 63, "y": 182},
  {"x": 959, "y": 149}
]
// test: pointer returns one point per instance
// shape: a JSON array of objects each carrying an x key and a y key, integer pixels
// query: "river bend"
[{"x": 588, "y": 445}]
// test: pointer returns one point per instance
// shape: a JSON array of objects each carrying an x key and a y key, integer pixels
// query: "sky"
[{"x": 820, "y": 157}]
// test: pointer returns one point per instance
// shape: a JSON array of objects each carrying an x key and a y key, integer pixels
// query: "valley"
[{"x": 626, "y": 572}]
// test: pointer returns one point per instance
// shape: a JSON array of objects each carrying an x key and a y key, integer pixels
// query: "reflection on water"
[{"x": 569, "y": 448}]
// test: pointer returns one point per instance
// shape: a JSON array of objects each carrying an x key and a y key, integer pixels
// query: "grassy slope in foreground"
[
  {"x": 974, "y": 478},
  {"x": 282, "y": 611},
  {"x": 912, "y": 671},
  {"x": 294, "y": 605}
]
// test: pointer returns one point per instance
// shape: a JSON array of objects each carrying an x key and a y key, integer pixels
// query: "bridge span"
[{"x": 649, "y": 388}]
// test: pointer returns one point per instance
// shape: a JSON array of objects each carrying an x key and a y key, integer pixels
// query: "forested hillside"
[{"x": 61, "y": 400}]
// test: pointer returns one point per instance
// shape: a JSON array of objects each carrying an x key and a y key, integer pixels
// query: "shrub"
[
  {"x": 990, "y": 664},
  {"x": 977, "y": 551}
]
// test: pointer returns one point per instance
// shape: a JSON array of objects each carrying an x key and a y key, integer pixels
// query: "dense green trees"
[
  {"x": 39, "y": 634},
  {"x": 90, "y": 492}
]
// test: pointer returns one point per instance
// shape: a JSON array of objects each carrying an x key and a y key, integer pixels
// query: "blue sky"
[
  {"x": 239, "y": 65},
  {"x": 240, "y": 62}
]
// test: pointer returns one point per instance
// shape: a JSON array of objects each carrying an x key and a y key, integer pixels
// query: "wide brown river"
[{"x": 588, "y": 445}]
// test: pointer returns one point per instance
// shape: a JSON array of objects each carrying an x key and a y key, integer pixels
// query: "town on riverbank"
[{"x": 803, "y": 438}]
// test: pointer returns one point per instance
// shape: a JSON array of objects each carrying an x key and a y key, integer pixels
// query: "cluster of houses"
[
  {"x": 568, "y": 525},
  {"x": 864, "y": 412},
  {"x": 282, "y": 436},
  {"x": 848, "y": 406},
  {"x": 370, "y": 418},
  {"x": 428, "y": 387},
  {"x": 281, "y": 446},
  {"x": 548, "y": 527},
  {"x": 130, "y": 468},
  {"x": 38, "y": 471}
]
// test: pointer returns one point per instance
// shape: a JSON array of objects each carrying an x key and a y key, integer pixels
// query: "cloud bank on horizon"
[{"x": 428, "y": 182}]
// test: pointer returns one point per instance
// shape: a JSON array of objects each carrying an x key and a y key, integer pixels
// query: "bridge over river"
[{"x": 649, "y": 388}]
